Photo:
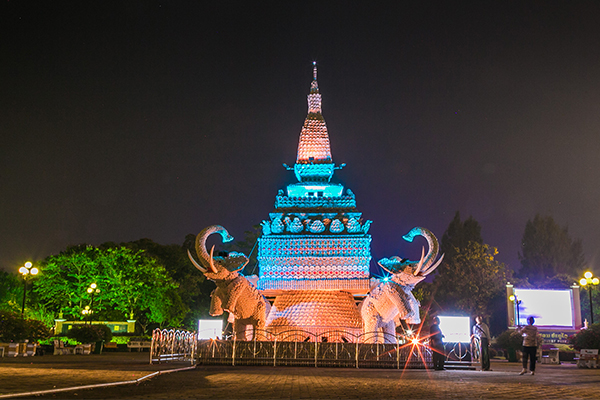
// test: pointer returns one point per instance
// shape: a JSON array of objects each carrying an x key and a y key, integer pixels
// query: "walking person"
[
  {"x": 436, "y": 343},
  {"x": 482, "y": 332},
  {"x": 531, "y": 340}
]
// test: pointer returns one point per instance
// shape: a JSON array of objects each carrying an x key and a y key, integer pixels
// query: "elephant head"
[
  {"x": 409, "y": 273},
  {"x": 217, "y": 268}
]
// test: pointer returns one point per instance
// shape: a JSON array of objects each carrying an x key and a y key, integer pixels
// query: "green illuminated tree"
[{"x": 131, "y": 283}]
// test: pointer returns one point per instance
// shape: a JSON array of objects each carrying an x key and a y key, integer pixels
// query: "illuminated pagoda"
[{"x": 314, "y": 254}]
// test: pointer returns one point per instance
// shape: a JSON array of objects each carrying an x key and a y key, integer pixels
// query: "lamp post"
[
  {"x": 591, "y": 280},
  {"x": 93, "y": 289},
  {"x": 27, "y": 269},
  {"x": 513, "y": 297}
]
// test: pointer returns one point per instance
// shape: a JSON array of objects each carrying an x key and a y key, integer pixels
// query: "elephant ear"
[
  {"x": 392, "y": 265},
  {"x": 235, "y": 261}
]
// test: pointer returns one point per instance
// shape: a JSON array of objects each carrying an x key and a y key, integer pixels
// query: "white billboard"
[
  {"x": 456, "y": 329},
  {"x": 550, "y": 308}
]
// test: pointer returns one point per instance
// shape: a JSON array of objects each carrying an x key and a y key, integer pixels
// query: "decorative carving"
[
  {"x": 353, "y": 226},
  {"x": 266, "y": 227},
  {"x": 317, "y": 227},
  {"x": 393, "y": 299},
  {"x": 295, "y": 226},
  {"x": 366, "y": 226},
  {"x": 277, "y": 225},
  {"x": 336, "y": 226}
]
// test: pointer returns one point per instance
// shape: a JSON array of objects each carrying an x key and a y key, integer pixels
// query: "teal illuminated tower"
[{"x": 314, "y": 254}]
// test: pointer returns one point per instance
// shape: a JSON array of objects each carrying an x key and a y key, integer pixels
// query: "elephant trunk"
[
  {"x": 426, "y": 262},
  {"x": 205, "y": 258}
]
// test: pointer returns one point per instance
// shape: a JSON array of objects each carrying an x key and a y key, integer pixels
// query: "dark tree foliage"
[
  {"x": 549, "y": 250},
  {"x": 459, "y": 234},
  {"x": 11, "y": 291},
  {"x": 470, "y": 280},
  {"x": 90, "y": 333},
  {"x": 587, "y": 338},
  {"x": 13, "y": 327}
]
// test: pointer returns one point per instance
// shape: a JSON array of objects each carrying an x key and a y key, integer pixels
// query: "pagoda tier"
[
  {"x": 321, "y": 313},
  {"x": 315, "y": 239}
]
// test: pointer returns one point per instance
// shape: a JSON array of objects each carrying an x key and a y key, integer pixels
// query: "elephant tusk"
[
  {"x": 420, "y": 265},
  {"x": 430, "y": 270},
  {"x": 211, "y": 261},
  {"x": 200, "y": 267}
]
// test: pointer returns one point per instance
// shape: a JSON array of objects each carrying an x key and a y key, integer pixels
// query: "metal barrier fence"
[
  {"x": 397, "y": 352},
  {"x": 171, "y": 345},
  {"x": 301, "y": 348}
]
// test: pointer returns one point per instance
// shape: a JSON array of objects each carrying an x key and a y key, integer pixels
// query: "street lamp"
[
  {"x": 93, "y": 289},
  {"x": 25, "y": 271},
  {"x": 513, "y": 297},
  {"x": 589, "y": 279}
]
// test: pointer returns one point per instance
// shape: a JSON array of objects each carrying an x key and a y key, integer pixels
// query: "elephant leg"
[
  {"x": 240, "y": 330},
  {"x": 370, "y": 322},
  {"x": 389, "y": 331}
]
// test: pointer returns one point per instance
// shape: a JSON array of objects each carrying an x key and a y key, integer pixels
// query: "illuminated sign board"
[
  {"x": 456, "y": 329},
  {"x": 210, "y": 328},
  {"x": 550, "y": 308}
]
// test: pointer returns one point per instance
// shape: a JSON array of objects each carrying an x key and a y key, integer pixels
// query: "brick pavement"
[{"x": 225, "y": 382}]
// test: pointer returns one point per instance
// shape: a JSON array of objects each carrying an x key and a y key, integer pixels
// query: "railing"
[
  {"x": 170, "y": 345},
  {"x": 301, "y": 348}
]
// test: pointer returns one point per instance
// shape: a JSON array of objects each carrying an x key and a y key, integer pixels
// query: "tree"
[
  {"x": 459, "y": 234},
  {"x": 11, "y": 290},
  {"x": 549, "y": 250},
  {"x": 472, "y": 282},
  {"x": 131, "y": 283}
]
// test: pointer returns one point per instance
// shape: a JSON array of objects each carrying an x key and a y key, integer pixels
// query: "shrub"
[
  {"x": 90, "y": 333},
  {"x": 509, "y": 340},
  {"x": 587, "y": 338},
  {"x": 13, "y": 327}
]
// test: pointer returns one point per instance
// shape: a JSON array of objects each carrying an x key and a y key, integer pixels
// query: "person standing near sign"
[
  {"x": 482, "y": 332},
  {"x": 436, "y": 343},
  {"x": 531, "y": 340}
]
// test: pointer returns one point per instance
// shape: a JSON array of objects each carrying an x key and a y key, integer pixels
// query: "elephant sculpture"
[
  {"x": 234, "y": 293},
  {"x": 392, "y": 299}
]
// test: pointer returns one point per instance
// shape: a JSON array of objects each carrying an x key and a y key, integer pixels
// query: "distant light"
[
  {"x": 409, "y": 332},
  {"x": 34, "y": 271},
  {"x": 28, "y": 265},
  {"x": 414, "y": 341},
  {"x": 595, "y": 281},
  {"x": 93, "y": 286},
  {"x": 23, "y": 270},
  {"x": 583, "y": 281},
  {"x": 511, "y": 297}
]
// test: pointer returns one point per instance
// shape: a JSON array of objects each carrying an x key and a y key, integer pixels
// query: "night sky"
[{"x": 129, "y": 120}]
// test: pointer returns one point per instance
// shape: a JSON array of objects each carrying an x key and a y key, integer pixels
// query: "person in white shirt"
[{"x": 482, "y": 332}]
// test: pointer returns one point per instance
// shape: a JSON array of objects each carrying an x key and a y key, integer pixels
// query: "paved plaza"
[{"x": 20, "y": 375}]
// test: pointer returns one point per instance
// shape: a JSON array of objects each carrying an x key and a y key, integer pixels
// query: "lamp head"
[
  {"x": 583, "y": 281},
  {"x": 587, "y": 275}
]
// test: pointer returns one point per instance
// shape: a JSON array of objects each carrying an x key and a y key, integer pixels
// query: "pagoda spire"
[{"x": 314, "y": 147}]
